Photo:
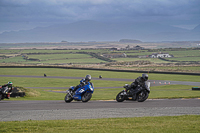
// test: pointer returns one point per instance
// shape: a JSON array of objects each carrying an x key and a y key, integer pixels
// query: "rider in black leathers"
[
  {"x": 140, "y": 81},
  {"x": 7, "y": 89}
]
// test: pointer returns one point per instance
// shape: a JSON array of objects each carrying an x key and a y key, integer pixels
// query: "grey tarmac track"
[{"x": 59, "y": 110}]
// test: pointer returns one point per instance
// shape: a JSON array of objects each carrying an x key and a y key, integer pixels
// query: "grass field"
[
  {"x": 25, "y": 51},
  {"x": 74, "y": 56},
  {"x": 161, "y": 92},
  {"x": 185, "y": 59},
  {"x": 164, "y": 124},
  {"x": 94, "y": 73},
  {"x": 178, "y": 53},
  {"x": 66, "y": 61},
  {"x": 165, "y": 91},
  {"x": 140, "y": 59},
  {"x": 163, "y": 68},
  {"x": 59, "y": 56},
  {"x": 8, "y": 51},
  {"x": 17, "y": 59},
  {"x": 53, "y": 59}
]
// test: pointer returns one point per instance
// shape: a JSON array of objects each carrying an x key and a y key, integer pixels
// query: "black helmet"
[
  {"x": 145, "y": 77},
  {"x": 88, "y": 77}
]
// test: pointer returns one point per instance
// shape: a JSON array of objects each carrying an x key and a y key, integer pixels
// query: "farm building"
[
  {"x": 134, "y": 48},
  {"x": 114, "y": 49},
  {"x": 138, "y": 47},
  {"x": 161, "y": 55}
]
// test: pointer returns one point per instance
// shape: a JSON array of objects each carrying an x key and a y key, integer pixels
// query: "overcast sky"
[{"x": 27, "y": 14}]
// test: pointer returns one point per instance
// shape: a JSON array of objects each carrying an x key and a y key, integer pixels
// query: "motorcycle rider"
[
  {"x": 84, "y": 82},
  {"x": 7, "y": 89},
  {"x": 140, "y": 81}
]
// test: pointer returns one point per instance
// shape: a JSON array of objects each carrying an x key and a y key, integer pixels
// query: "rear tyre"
[
  {"x": 142, "y": 96},
  {"x": 0, "y": 97},
  {"x": 86, "y": 97},
  {"x": 68, "y": 98},
  {"x": 119, "y": 97}
]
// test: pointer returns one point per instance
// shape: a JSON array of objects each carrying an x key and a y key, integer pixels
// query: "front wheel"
[
  {"x": 86, "y": 97},
  {"x": 68, "y": 98},
  {"x": 120, "y": 97},
  {"x": 142, "y": 96},
  {"x": 1, "y": 97}
]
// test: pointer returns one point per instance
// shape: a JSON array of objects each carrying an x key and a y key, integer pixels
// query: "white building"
[{"x": 161, "y": 55}]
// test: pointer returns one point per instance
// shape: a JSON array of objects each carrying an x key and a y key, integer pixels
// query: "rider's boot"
[
  {"x": 75, "y": 88},
  {"x": 7, "y": 96},
  {"x": 134, "y": 96},
  {"x": 135, "y": 91}
]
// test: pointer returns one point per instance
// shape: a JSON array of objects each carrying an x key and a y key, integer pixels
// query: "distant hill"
[
  {"x": 89, "y": 30},
  {"x": 197, "y": 28},
  {"x": 129, "y": 41}
]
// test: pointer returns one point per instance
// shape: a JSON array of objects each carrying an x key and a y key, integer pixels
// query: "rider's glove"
[{"x": 82, "y": 82}]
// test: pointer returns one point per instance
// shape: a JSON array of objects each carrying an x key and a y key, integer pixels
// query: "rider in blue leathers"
[{"x": 84, "y": 82}]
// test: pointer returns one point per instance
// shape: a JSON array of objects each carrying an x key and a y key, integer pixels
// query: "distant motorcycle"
[
  {"x": 141, "y": 95},
  {"x": 4, "y": 93},
  {"x": 83, "y": 94}
]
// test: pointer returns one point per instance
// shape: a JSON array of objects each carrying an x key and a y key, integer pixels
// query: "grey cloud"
[
  {"x": 140, "y": 7},
  {"x": 173, "y": 11}
]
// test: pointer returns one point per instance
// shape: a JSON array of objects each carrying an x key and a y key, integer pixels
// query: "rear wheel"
[
  {"x": 120, "y": 97},
  {"x": 142, "y": 96},
  {"x": 0, "y": 97},
  {"x": 68, "y": 98},
  {"x": 86, "y": 97}
]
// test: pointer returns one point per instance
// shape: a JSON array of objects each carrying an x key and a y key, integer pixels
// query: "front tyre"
[
  {"x": 142, "y": 96},
  {"x": 68, "y": 98},
  {"x": 86, "y": 97},
  {"x": 1, "y": 97},
  {"x": 120, "y": 97}
]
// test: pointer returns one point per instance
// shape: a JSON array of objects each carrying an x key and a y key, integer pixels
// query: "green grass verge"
[
  {"x": 173, "y": 91},
  {"x": 157, "y": 92},
  {"x": 164, "y": 124},
  {"x": 166, "y": 91},
  {"x": 56, "y": 82},
  {"x": 94, "y": 73}
]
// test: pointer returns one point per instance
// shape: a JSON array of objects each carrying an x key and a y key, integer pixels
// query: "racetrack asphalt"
[{"x": 59, "y": 110}]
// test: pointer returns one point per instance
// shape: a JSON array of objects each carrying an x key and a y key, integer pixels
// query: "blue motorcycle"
[{"x": 83, "y": 94}]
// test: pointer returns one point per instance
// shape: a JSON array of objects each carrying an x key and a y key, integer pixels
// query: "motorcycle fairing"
[{"x": 78, "y": 94}]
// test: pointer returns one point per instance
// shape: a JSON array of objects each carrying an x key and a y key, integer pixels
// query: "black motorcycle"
[
  {"x": 4, "y": 93},
  {"x": 140, "y": 94}
]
